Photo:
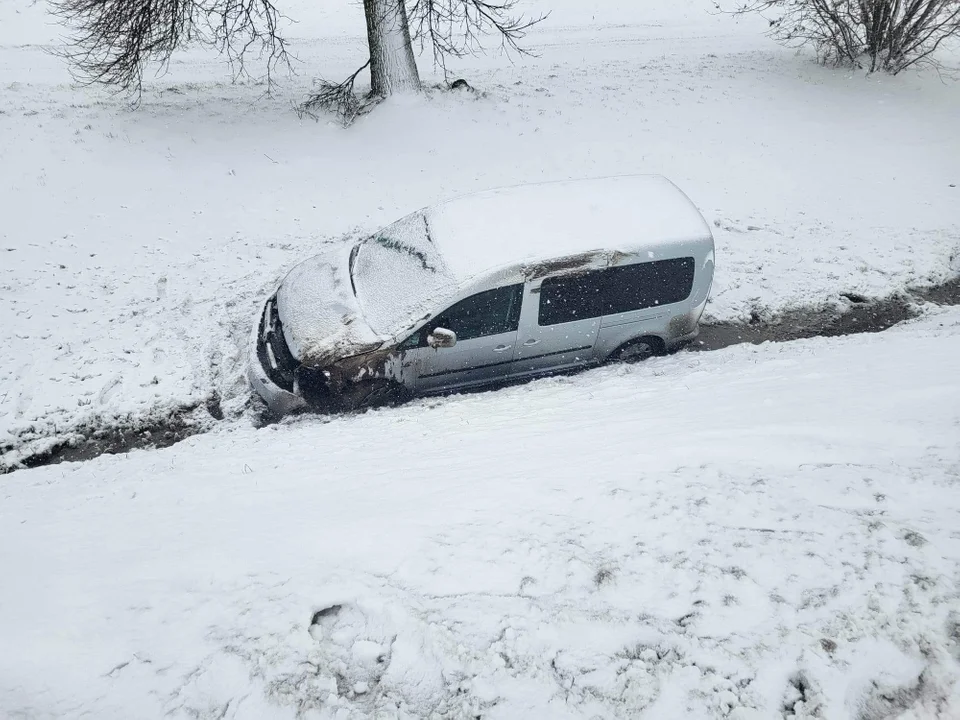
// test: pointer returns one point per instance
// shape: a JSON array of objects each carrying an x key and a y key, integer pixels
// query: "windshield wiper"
[{"x": 351, "y": 264}]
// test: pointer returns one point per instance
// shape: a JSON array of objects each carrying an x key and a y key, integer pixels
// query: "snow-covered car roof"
[{"x": 507, "y": 226}]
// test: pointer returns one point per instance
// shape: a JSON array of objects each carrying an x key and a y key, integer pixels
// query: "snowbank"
[{"x": 750, "y": 533}]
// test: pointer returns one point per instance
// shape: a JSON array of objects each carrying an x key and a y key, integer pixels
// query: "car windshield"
[{"x": 399, "y": 276}]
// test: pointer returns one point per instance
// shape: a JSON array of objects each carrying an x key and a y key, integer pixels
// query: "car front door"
[
  {"x": 486, "y": 328},
  {"x": 559, "y": 323}
]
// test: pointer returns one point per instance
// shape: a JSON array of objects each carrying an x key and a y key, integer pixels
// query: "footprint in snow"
[
  {"x": 371, "y": 655},
  {"x": 356, "y": 647},
  {"x": 109, "y": 390}
]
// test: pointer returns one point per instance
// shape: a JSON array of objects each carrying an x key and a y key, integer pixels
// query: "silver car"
[{"x": 488, "y": 288}]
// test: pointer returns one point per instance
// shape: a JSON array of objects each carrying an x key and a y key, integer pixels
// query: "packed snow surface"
[{"x": 755, "y": 533}]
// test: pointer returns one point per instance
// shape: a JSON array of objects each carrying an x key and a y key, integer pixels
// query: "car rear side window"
[
  {"x": 570, "y": 298},
  {"x": 491, "y": 312},
  {"x": 645, "y": 285},
  {"x": 615, "y": 290}
]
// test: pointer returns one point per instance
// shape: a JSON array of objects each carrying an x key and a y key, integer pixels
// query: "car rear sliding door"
[{"x": 559, "y": 322}]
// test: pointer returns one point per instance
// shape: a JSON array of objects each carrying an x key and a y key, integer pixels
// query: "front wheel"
[{"x": 636, "y": 351}]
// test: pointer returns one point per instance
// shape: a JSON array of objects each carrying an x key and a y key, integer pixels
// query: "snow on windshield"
[{"x": 399, "y": 275}]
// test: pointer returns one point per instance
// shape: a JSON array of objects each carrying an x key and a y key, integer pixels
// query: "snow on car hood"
[
  {"x": 400, "y": 276},
  {"x": 322, "y": 320}
]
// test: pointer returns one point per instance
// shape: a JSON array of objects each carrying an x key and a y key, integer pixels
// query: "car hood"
[{"x": 322, "y": 320}]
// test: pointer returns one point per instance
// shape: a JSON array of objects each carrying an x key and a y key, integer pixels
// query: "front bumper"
[{"x": 278, "y": 399}]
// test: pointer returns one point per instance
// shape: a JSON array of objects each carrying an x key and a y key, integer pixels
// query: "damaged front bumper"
[
  {"x": 288, "y": 385},
  {"x": 271, "y": 369},
  {"x": 280, "y": 401},
  {"x": 285, "y": 384}
]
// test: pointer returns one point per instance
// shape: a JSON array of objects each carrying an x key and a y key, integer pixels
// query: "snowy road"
[{"x": 757, "y": 532}]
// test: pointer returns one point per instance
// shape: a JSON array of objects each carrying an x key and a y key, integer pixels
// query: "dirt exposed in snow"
[
  {"x": 152, "y": 433},
  {"x": 862, "y": 315},
  {"x": 113, "y": 441},
  {"x": 947, "y": 293}
]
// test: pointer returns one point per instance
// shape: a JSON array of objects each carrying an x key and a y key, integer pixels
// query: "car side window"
[
  {"x": 615, "y": 290},
  {"x": 569, "y": 298},
  {"x": 491, "y": 312},
  {"x": 648, "y": 284}
]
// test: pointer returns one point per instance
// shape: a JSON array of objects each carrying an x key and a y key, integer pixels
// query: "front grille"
[{"x": 272, "y": 350}]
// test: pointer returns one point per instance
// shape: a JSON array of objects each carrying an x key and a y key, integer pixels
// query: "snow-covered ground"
[
  {"x": 756, "y": 533},
  {"x": 135, "y": 245}
]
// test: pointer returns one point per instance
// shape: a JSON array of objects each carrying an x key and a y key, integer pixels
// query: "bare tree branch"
[
  {"x": 888, "y": 35},
  {"x": 112, "y": 41},
  {"x": 340, "y": 99},
  {"x": 454, "y": 28}
]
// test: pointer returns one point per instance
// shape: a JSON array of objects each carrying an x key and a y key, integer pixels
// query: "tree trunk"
[{"x": 392, "y": 65}]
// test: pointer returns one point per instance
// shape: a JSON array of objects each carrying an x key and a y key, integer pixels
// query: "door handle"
[
  {"x": 531, "y": 341},
  {"x": 502, "y": 348}
]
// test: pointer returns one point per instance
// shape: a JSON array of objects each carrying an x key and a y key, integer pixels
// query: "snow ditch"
[
  {"x": 153, "y": 431},
  {"x": 852, "y": 314}
]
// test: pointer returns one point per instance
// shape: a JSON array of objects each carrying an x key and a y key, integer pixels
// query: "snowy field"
[
  {"x": 136, "y": 246},
  {"x": 754, "y": 533}
]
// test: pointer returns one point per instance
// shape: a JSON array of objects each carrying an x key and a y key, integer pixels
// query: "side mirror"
[{"x": 441, "y": 338}]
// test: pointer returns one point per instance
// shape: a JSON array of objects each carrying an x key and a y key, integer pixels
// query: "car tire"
[{"x": 636, "y": 351}]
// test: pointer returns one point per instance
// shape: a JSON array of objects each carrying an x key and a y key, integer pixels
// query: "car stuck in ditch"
[{"x": 500, "y": 285}]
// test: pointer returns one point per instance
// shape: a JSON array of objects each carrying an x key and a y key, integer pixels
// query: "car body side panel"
[
  {"x": 469, "y": 363},
  {"x": 612, "y": 337}
]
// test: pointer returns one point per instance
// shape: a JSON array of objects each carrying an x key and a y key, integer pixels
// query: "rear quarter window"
[
  {"x": 615, "y": 290},
  {"x": 646, "y": 285}
]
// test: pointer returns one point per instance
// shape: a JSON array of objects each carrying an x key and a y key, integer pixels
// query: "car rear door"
[
  {"x": 559, "y": 322},
  {"x": 486, "y": 326}
]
